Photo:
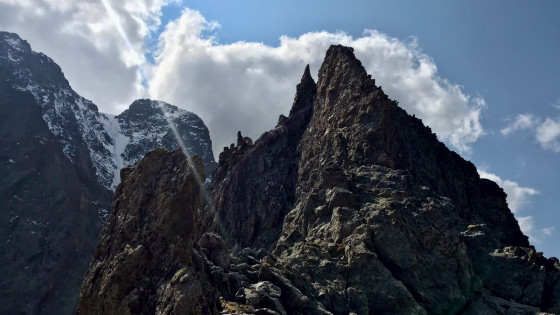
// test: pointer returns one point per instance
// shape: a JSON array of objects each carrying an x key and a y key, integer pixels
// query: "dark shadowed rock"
[
  {"x": 254, "y": 184},
  {"x": 50, "y": 206},
  {"x": 60, "y": 160},
  {"x": 351, "y": 206},
  {"x": 144, "y": 261}
]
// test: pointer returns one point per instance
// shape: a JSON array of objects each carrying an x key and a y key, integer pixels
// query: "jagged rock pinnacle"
[
  {"x": 240, "y": 141},
  {"x": 305, "y": 92},
  {"x": 341, "y": 70},
  {"x": 350, "y": 205}
]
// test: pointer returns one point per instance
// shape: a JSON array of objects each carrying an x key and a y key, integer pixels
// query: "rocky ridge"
[
  {"x": 132, "y": 272},
  {"x": 99, "y": 144},
  {"x": 348, "y": 206},
  {"x": 59, "y": 164},
  {"x": 146, "y": 125},
  {"x": 50, "y": 206}
]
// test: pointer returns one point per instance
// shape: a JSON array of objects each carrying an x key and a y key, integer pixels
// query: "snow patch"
[
  {"x": 117, "y": 147},
  {"x": 75, "y": 121},
  {"x": 14, "y": 43},
  {"x": 103, "y": 214}
]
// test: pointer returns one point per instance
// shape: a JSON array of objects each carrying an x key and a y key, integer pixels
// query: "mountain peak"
[
  {"x": 14, "y": 41},
  {"x": 60, "y": 162},
  {"x": 342, "y": 71},
  {"x": 305, "y": 91},
  {"x": 306, "y": 74},
  {"x": 349, "y": 205},
  {"x": 145, "y": 106},
  {"x": 148, "y": 124}
]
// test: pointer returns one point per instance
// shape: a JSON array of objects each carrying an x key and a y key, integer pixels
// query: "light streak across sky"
[{"x": 116, "y": 22}]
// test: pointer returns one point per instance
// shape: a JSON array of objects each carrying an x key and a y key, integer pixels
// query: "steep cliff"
[
  {"x": 350, "y": 205},
  {"x": 59, "y": 162},
  {"x": 145, "y": 262},
  {"x": 50, "y": 204}
]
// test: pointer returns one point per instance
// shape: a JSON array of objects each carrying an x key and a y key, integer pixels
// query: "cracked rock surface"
[{"x": 348, "y": 206}]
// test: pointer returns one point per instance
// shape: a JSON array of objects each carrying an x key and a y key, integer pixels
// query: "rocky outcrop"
[
  {"x": 59, "y": 162},
  {"x": 145, "y": 262},
  {"x": 255, "y": 184},
  {"x": 351, "y": 206}
]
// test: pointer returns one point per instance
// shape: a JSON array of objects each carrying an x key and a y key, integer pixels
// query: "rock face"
[
  {"x": 144, "y": 262},
  {"x": 256, "y": 183},
  {"x": 349, "y": 205},
  {"x": 146, "y": 125},
  {"x": 98, "y": 144},
  {"x": 59, "y": 164},
  {"x": 50, "y": 205}
]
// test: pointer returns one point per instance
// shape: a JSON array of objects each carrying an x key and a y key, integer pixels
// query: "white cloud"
[
  {"x": 548, "y": 134},
  {"x": 527, "y": 225},
  {"x": 548, "y": 231},
  {"x": 244, "y": 85},
  {"x": 80, "y": 36},
  {"x": 536, "y": 235},
  {"x": 546, "y": 131},
  {"x": 517, "y": 196},
  {"x": 522, "y": 121},
  {"x": 247, "y": 85}
]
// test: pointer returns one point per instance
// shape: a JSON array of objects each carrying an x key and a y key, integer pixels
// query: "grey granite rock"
[{"x": 351, "y": 206}]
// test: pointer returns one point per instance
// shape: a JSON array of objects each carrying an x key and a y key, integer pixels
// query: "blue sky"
[{"x": 487, "y": 62}]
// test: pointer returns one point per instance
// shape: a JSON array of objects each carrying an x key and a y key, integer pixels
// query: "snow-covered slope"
[
  {"x": 95, "y": 141},
  {"x": 147, "y": 125},
  {"x": 74, "y": 120}
]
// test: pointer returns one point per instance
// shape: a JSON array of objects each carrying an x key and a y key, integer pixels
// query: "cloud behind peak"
[{"x": 246, "y": 85}]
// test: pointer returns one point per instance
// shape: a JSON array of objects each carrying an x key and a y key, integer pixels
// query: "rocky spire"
[
  {"x": 305, "y": 91},
  {"x": 148, "y": 242},
  {"x": 341, "y": 69},
  {"x": 350, "y": 205}
]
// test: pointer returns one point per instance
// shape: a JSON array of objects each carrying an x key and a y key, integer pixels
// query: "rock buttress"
[{"x": 145, "y": 262}]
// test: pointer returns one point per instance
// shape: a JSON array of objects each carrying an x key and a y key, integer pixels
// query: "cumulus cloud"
[
  {"x": 536, "y": 235},
  {"x": 518, "y": 198},
  {"x": 546, "y": 131},
  {"x": 81, "y": 37},
  {"x": 548, "y": 134},
  {"x": 240, "y": 86},
  {"x": 548, "y": 231},
  {"x": 522, "y": 121},
  {"x": 527, "y": 225},
  {"x": 245, "y": 86}
]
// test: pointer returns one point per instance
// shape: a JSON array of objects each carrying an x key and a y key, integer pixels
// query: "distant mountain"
[
  {"x": 60, "y": 161},
  {"x": 347, "y": 206},
  {"x": 147, "y": 125}
]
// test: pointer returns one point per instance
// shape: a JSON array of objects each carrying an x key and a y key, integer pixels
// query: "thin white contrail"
[{"x": 116, "y": 21}]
